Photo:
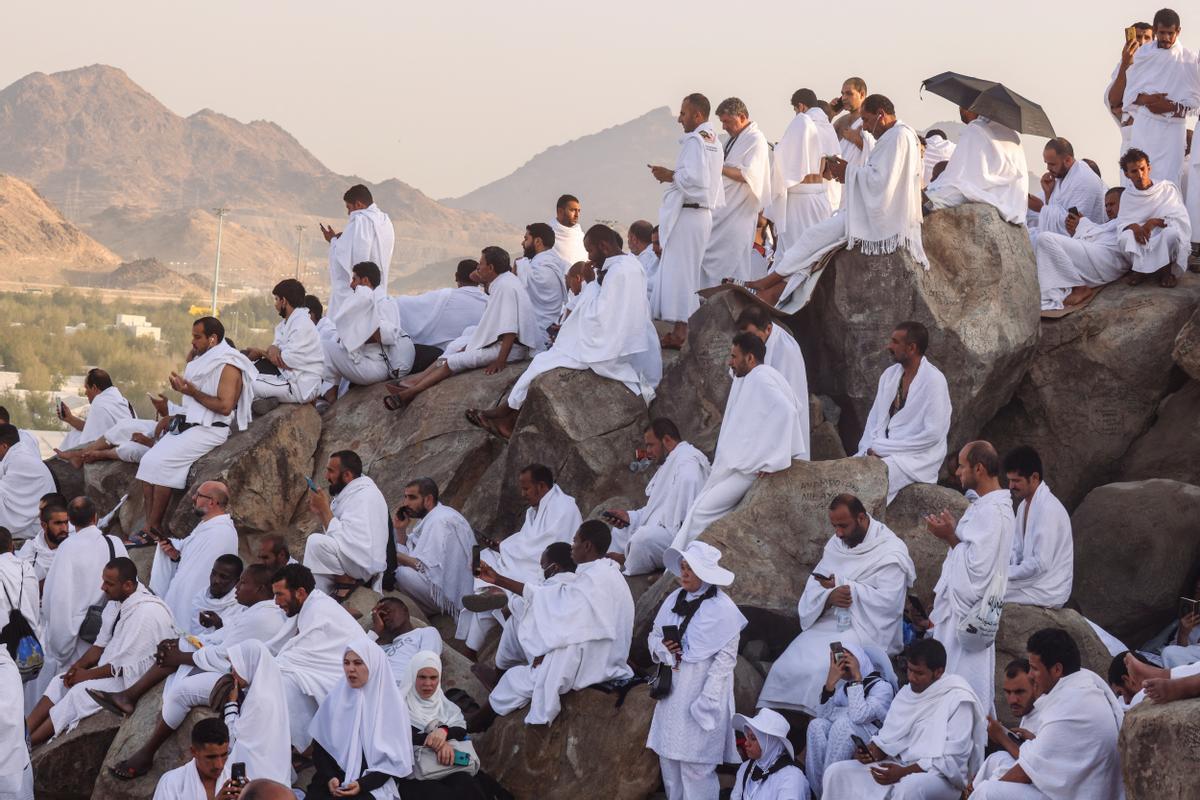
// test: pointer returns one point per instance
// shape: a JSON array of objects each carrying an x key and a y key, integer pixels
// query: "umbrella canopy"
[{"x": 992, "y": 100}]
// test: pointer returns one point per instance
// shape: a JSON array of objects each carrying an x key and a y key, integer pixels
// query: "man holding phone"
[
  {"x": 1020, "y": 692},
  {"x": 1068, "y": 186}
]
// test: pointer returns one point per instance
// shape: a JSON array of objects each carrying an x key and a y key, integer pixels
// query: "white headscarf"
[
  {"x": 353, "y": 724},
  {"x": 437, "y": 708},
  {"x": 260, "y": 734},
  {"x": 865, "y": 667}
]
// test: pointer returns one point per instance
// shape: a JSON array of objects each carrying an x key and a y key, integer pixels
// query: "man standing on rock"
[
  {"x": 352, "y": 547},
  {"x": 1156, "y": 231},
  {"x": 783, "y": 355},
  {"x": 799, "y": 198},
  {"x": 1041, "y": 568},
  {"x": 910, "y": 418},
  {"x": 641, "y": 244},
  {"x": 693, "y": 192},
  {"x": 568, "y": 233},
  {"x": 642, "y": 535},
  {"x": 975, "y": 571},
  {"x": 855, "y": 594},
  {"x": 761, "y": 433},
  {"x": 369, "y": 236}
]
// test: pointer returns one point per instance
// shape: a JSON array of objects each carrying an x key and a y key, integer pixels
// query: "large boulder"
[
  {"x": 1018, "y": 623},
  {"x": 1186, "y": 351},
  {"x": 1158, "y": 746},
  {"x": 1171, "y": 448},
  {"x": 905, "y": 516},
  {"x": 979, "y": 299},
  {"x": 594, "y": 750},
  {"x": 585, "y": 428},
  {"x": 776, "y": 535},
  {"x": 67, "y": 479},
  {"x": 65, "y": 768},
  {"x": 1095, "y": 382},
  {"x": 264, "y": 468},
  {"x": 1136, "y": 548}
]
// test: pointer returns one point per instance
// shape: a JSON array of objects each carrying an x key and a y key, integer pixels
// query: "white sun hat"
[
  {"x": 767, "y": 721},
  {"x": 702, "y": 558}
]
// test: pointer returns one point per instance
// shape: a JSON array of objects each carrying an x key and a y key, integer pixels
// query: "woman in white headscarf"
[
  {"x": 691, "y": 730},
  {"x": 855, "y": 699},
  {"x": 360, "y": 741},
  {"x": 770, "y": 771},
  {"x": 255, "y": 714},
  {"x": 436, "y": 724}
]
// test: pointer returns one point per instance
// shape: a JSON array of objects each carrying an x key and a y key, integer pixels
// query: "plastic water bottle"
[
  {"x": 842, "y": 616},
  {"x": 641, "y": 461}
]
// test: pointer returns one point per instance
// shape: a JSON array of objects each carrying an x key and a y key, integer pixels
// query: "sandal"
[
  {"x": 124, "y": 772},
  {"x": 393, "y": 402},
  {"x": 472, "y": 415},
  {"x": 104, "y": 700},
  {"x": 342, "y": 591},
  {"x": 143, "y": 538}
]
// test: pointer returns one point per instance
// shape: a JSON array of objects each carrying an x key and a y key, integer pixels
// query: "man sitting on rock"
[
  {"x": 855, "y": 594},
  {"x": 217, "y": 389},
  {"x": 783, "y": 355},
  {"x": 761, "y": 433},
  {"x": 609, "y": 332},
  {"x": 577, "y": 633},
  {"x": 41, "y": 549},
  {"x": 1042, "y": 565},
  {"x": 290, "y": 370},
  {"x": 198, "y": 779},
  {"x": 433, "y": 550},
  {"x": 371, "y": 345},
  {"x": 107, "y": 406},
  {"x": 931, "y": 742},
  {"x": 1156, "y": 231},
  {"x": 642, "y": 535},
  {"x": 988, "y": 166},
  {"x": 551, "y": 517},
  {"x": 980, "y": 546},
  {"x": 180, "y": 573},
  {"x": 316, "y": 313},
  {"x": 192, "y": 666},
  {"x": 557, "y": 567},
  {"x": 880, "y": 211},
  {"x": 543, "y": 274},
  {"x": 23, "y": 479},
  {"x": 273, "y": 551},
  {"x": 910, "y": 418},
  {"x": 133, "y": 623},
  {"x": 1075, "y": 752},
  {"x": 1068, "y": 185},
  {"x": 1127, "y": 689},
  {"x": 1021, "y": 693},
  {"x": 392, "y": 629},
  {"x": 437, "y": 318},
  {"x": 1072, "y": 267},
  {"x": 351, "y": 549}
]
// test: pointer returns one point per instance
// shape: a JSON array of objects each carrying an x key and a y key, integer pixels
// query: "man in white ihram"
[
  {"x": 910, "y": 418},
  {"x": 988, "y": 166},
  {"x": 642, "y": 535},
  {"x": 974, "y": 574},
  {"x": 855, "y": 594},
  {"x": 1041, "y": 568},
  {"x": 1068, "y": 184},
  {"x": 352, "y": 548},
  {"x": 107, "y": 406},
  {"x": 799, "y": 198},
  {"x": 745, "y": 182},
  {"x": 181, "y": 566},
  {"x": 804, "y": 101},
  {"x": 295, "y": 353},
  {"x": 760, "y": 433},
  {"x": 437, "y": 318},
  {"x": 1155, "y": 228},
  {"x": 369, "y": 236},
  {"x": 24, "y": 478},
  {"x": 543, "y": 275},
  {"x": 433, "y": 551},
  {"x": 783, "y": 355},
  {"x": 937, "y": 149},
  {"x": 1072, "y": 267},
  {"x": 693, "y": 192},
  {"x": 371, "y": 345},
  {"x": 568, "y": 233},
  {"x": 880, "y": 212}
]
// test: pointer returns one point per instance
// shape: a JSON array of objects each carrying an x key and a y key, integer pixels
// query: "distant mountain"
[
  {"x": 33, "y": 233},
  {"x": 92, "y": 140},
  {"x": 146, "y": 275},
  {"x": 605, "y": 170}
]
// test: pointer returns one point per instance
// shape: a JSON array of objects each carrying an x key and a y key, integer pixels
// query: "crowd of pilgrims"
[{"x": 876, "y": 696}]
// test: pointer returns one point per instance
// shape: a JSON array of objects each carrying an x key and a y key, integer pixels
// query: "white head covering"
[
  {"x": 865, "y": 667},
  {"x": 702, "y": 558},
  {"x": 771, "y": 730},
  {"x": 260, "y": 734},
  {"x": 355, "y": 723},
  {"x": 437, "y": 708}
]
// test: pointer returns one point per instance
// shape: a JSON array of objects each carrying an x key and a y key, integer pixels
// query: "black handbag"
[
  {"x": 89, "y": 629},
  {"x": 660, "y": 684}
]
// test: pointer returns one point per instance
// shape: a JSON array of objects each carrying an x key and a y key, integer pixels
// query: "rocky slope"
[{"x": 33, "y": 232}]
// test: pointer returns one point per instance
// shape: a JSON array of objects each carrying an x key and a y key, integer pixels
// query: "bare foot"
[
  {"x": 670, "y": 342},
  {"x": 1166, "y": 278},
  {"x": 72, "y": 457},
  {"x": 771, "y": 296},
  {"x": 1135, "y": 279},
  {"x": 1079, "y": 295},
  {"x": 1164, "y": 690},
  {"x": 1140, "y": 671},
  {"x": 488, "y": 675}
]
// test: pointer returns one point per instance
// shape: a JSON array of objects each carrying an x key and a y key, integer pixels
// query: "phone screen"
[
  {"x": 312, "y": 487},
  {"x": 671, "y": 633},
  {"x": 475, "y": 551}
]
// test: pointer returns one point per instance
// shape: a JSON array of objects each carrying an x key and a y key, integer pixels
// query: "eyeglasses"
[{"x": 205, "y": 496}]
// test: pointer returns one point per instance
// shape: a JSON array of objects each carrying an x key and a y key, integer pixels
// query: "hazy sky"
[{"x": 450, "y": 95}]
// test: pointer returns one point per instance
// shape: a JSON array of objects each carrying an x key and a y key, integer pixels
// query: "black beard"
[
  {"x": 283, "y": 313},
  {"x": 529, "y": 252},
  {"x": 336, "y": 487},
  {"x": 199, "y": 512}
]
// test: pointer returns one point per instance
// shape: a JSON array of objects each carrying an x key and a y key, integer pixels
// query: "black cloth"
[
  {"x": 327, "y": 767},
  {"x": 457, "y": 734},
  {"x": 265, "y": 367},
  {"x": 459, "y": 786},
  {"x": 426, "y": 354}
]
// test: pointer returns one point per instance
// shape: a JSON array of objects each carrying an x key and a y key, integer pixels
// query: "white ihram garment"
[
  {"x": 16, "y": 773},
  {"x": 256, "y": 728},
  {"x": 1092, "y": 257},
  {"x": 441, "y": 541},
  {"x": 610, "y": 332},
  {"x": 830, "y": 146},
  {"x": 670, "y": 494},
  {"x": 911, "y": 442},
  {"x": 760, "y": 432},
  {"x": 439, "y": 317},
  {"x": 988, "y": 166},
  {"x": 1167, "y": 246},
  {"x": 734, "y": 223},
  {"x": 107, "y": 409},
  {"x": 181, "y": 783},
  {"x": 355, "y": 541},
  {"x": 120, "y": 436},
  {"x": 649, "y": 263},
  {"x": 300, "y": 348},
  {"x": 785, "y": 356},
  {"x": 178, "y": 583},
  {"x": 1081, "y": 189},
  {"x": 879, "y": 572},
  {"x": 1163, "y": 137},
  {"x": 544, "y": 281},
  {"x": 508, "y": 311},
  {"x": 369, "y": 236},
  {"x": 1191, "y": 191},
  {"x": 937, "y": 150},
  {"x": 1042, "y": 565},
  {"x": 351, "y": 356},
  {"x": 24, "y": 478},
  {"x": 1000, "y": 762},
  {"x": 985, "y": 535},
  {"x": 568, "y": 242},
  {"x": 881, "y": 211},
  {"x": 684, "y": 232},
  {"x": 799, "y": 199}
]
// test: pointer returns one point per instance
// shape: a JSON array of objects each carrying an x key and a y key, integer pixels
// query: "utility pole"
[
  {"x": 299, "y": 241},
  {"x": 220, "y": 212}
]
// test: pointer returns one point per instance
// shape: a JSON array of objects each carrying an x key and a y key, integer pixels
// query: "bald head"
[
  {"x": 211, "y": 500},
  {"x": 979, "y": 467},
  {"x": 264, "y": 789}
]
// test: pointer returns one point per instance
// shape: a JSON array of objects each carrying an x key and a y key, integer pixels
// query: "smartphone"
[
  {"x": 838, "y": 651},
  {"x": 312, "y": 487},
  {"x": 462, "y": 759},
  {"x": 62, "y": 410},
  {"x": 1187, "y": 606},
  {"x": 475, "y": 551},
  {"x": 670, "y": 633},
  {"x": 1074, "y": 210},
  {"x": 820, "y": 577},
  {"x": 859, "y": 744},
  {"x": 1130, "y": 35},
  {"x": 237, "y": 773},
  {"x": 1013, "y": 736}
]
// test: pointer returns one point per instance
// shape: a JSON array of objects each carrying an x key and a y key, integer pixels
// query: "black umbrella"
[{"x": 992, "y": 100}]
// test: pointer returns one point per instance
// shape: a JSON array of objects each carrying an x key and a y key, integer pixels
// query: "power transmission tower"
[
  {"x": 220, "y": 212},
  {"x": 299, "y": 241}
]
